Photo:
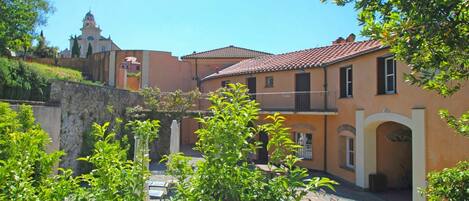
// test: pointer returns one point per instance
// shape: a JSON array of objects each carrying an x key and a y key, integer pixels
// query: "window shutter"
[
  {"x": 342, "y": 82},
  {"x": 380, "y": 76},
  {"x": 351, "y": 81}
]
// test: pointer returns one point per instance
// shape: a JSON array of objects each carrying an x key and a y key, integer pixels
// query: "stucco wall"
[
  {"x": 81, "y": 105},
  {"x": 49, "y": 119},
  {"x": 444, "y": 148}
]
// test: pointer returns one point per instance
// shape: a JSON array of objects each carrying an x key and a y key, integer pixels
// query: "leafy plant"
[
  {"x": 25, "y": 167},
  {"x": 449, "y": 184},
  {"x": 226, "y": 142},
  {"x": 114, "y": 177}
]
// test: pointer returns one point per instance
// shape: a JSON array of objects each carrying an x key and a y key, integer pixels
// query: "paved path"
[{"x": 343, "y": 192}]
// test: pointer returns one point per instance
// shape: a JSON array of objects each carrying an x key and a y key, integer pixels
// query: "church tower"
[{"x": 91, "y": 39}]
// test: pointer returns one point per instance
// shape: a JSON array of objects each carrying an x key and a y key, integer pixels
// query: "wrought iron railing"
[{"x": 307, "y": 101}]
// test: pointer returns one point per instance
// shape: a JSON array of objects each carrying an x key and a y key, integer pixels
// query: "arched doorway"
[
  {"x": 367, "y": 135},
  {"x": 394, "y": 158}
]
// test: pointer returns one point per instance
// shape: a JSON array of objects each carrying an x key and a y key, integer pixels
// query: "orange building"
[{"x": 350, "y": 108}]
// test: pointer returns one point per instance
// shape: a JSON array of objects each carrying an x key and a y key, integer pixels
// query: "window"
[
  {"x": 269, "y": 82},
  {"x": 346, "y": 86},
  {"x": 387, "y": 75},
  {"x": 390, "y": 75},
  {"x": 350, "y": 152},
  {"x": 225, "y": 83},
  {"x": 305, "y": 140}
]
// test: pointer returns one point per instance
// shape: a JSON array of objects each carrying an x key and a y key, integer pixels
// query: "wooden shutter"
[
  {"x": 342, "y": 82},
  {"x": 380, "y": 76}
]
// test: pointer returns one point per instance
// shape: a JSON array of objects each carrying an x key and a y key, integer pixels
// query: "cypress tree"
[
  {"x": 75, "y": 48},
  {"x": 89, "y": 52}
]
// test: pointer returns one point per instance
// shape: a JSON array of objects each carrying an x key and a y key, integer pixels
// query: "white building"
[{"x": 91, "y": 35}]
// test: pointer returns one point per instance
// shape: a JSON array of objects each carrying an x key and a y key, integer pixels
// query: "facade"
[
  {"x": 90, "y": 36},
  {"x": 350, "y": 108}
]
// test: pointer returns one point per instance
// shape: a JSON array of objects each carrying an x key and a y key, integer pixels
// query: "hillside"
[{"x": 30, "y": 81}]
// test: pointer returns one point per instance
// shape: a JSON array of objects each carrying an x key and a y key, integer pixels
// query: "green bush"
[
  {"x": 450, "y": 184},
  {"x": 25, "y": 167},
  {"x": 26, "y": 170},
  {"x": 226, "y": 142},
  {"x": 31, "y": 81}
]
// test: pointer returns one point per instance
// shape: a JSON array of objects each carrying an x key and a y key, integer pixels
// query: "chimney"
[
  {"x": 339, "y": 40},
  {"x": 350, "y": 38}
]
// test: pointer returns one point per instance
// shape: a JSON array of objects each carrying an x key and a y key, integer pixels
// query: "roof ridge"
[{"x": 230, "y": 46}]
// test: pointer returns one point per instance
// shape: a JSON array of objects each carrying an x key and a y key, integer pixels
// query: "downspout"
[
  {"x": 326, "y": 93},
  {"x": 197, "y": 74}
]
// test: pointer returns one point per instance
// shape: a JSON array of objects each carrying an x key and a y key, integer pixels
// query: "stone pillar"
[
  {"x": 112, "y": 68},
  {"x": 360, "y": 176},
  {"x": 418, "y": 153},
  {"x": 175, "y": 135},
  {"x": 145, "y": 69}
]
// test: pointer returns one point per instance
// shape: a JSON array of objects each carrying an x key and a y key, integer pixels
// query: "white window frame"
[
  {"x": 349, "y": 151},
  {"x": 306, "y": 152},
  {"x": 348, "y": 70},
  {"x": 389, "y": 76}
]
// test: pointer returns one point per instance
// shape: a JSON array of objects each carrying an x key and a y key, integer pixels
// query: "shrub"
[
  {"x": 25, "y": 167},
  {"x": 226, "y": 142},
  {"x": 450, "y": 184},
  {"x": 26, "y": 170},
  {"x": 114, "y": 177}
]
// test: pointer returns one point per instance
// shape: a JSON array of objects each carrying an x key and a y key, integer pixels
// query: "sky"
[{"x": 184, "y": 26}]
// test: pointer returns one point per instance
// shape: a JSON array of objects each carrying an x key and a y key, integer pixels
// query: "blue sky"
[{"x": 184, "y": 26}]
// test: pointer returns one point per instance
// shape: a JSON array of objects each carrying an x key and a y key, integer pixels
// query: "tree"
[
  {"x": 18, "y": 20},
  {"x": 42, "y": 50},
  {"x": 430, "y": 35},
  {"x": 226, "y": 141},
  {"x": 75, "y": 48},
  {"x": 89, "y": 52}
]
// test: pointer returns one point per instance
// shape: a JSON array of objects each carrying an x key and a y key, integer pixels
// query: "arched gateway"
[{"x": 366, "y": 144}]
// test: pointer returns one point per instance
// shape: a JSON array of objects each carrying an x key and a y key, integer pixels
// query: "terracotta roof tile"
[
  {"x": 226, "y": 52},
  {"x": 314, "y": 57}
]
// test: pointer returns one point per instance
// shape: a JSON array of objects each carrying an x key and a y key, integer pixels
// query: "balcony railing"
[{"x": 307, "y": 101}]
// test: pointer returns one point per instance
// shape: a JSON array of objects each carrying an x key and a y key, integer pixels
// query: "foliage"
[
  {"x": 461, "y": 124},
  {"x": 75, "y": 48},
  {"x": 25, "y": 166},
  {"x": 176, "y": 101},
  {"x": 42, "y": 50},
  {"x": 449, "y": 184},
  {"x": 30, "y": 81},
  {"x": 26, "y": 170},
  {"x": 18, "y": 20},
  {"x": 430, "y": 35},
  {"x": 114, "y": 177},
  {"x": 89, "y": 51},
  {"x": 226, "y": 142}
]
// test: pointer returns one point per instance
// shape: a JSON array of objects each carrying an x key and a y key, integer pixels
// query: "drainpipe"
[
  {"x": 325, "y": 117},
  {"x": 197, "y": 74}
]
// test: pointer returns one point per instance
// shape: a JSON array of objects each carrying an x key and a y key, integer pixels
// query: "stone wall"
[{"x": 81, "y": 105}]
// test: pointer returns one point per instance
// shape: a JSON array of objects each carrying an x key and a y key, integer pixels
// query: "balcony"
[{"x": 307, "y": 102}]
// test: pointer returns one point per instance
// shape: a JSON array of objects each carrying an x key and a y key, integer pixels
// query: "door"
[
  {"x": 262, "y": 153},
  {"x": 252, "y": 87},
  {"x": 302, "y": 89}
]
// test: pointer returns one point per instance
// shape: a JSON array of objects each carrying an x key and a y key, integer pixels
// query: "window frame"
[
  {"x": 387, "y": 75},
  {"x": 348, "y": 91},
  {"x": 349, "y": 151},
  {"x": 304, "y": 151},
  {"x": 267, "y": 83}
]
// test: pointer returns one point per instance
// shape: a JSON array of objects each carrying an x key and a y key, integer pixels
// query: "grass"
[{"x": 54, "y": 72}]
